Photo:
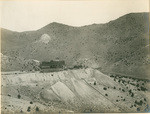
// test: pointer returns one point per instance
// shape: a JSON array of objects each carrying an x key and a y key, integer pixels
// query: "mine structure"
[{"x": 52, "y": 66}]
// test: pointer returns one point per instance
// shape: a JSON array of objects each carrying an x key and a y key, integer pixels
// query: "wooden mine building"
[{"x": 52, "y": 66}]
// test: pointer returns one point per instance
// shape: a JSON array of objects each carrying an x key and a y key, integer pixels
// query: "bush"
[
  {"x": 134, "y": 105},
  {"x": 78, "y": 66},
  {"x": 139, "y": 103},
  {"x": 123, "y": 81},
  {"x": 37, "y": 109},
  {"x": 130, "y": 91},
  {"x": 138, "y": 109},
  {"x": 111, "y": 76},
  {"x": 131, "y": 106},
  {"x": 123, "y": 90},
  {"x": 138, "y": 89},
  {"x": 137, "y": 85},
  {"x": 29, "y": 109},
  {"x": 132, "y": 95},
  {"x": 143, "y": 88},
  {"x": 144, "y": 99},
  {"x": 19, "y": 96},
  {"x": 104, "y": 88}
]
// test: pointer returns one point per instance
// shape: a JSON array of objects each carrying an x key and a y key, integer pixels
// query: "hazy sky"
[{"x": 32, "y": 15}]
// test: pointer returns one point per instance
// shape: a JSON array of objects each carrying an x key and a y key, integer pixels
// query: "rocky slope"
[
  {"x": 119, "y": 46},
  {"x": 81, "y": 90},
  {"x": 18, "y": 64}
]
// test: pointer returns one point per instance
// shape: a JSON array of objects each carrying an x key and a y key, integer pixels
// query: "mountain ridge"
[
  {"x": 59, "y": 23},
  {"x": 121, "y": 40}
]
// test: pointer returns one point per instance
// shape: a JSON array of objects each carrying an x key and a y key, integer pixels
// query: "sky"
[{"x": 19, "y": 15}]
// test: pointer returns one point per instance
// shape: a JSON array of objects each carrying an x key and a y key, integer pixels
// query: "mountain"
[{"x": 119, "y": 46}]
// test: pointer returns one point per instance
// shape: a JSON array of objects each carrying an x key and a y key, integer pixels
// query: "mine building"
[{"x": 52, "y": 66}]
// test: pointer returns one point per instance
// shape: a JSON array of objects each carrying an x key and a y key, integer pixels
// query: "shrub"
[
  {"x": 105, "y": 88},
  {"x": 130, "y": 91},
  {"x": 123, "y": 81},
  {"x": 94, "y": 83},
  {"x": 123, "y": 90},
  {"x": 37, "y": 109},
  {"x": 138, "y": 89},
  {"x": 131, "y": 106},
  {"x": 143, "y": 88},
  {"x": 137, "y": 85},
  {"x": 29, "y": 109},
  {"x": 111, "y": 76},
  {"x": 138, "y": 109},
  {"x": 19, "y": 96},
  {"x": 106, "y": 94},
  {"x": 132, "y": 95},
  {"x": 139, "y": 103},
  {"x": 90, "y": 110},
  {"x": 134, "y": 105},
  {"x": 78, "y": 66}
]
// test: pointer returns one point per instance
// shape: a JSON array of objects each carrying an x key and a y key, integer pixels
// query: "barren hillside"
[
  {"x": 81, "y": 90},
  {"x": 119, "y": 46}
]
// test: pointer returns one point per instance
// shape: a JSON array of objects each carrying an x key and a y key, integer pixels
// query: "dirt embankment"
[{"x": 81, "y": 90}]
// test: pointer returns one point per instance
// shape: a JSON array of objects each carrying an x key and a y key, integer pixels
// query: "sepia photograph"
[{"x": 67, "y": 57}]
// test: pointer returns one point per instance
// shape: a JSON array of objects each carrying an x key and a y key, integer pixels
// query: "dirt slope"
[{"x": 81, "y": 90}]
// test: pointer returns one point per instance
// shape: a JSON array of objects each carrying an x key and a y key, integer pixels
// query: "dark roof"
[{"x": 52, "y": 64}]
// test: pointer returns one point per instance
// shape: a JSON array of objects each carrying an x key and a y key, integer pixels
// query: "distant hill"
[{"x": 120, "y": 46}]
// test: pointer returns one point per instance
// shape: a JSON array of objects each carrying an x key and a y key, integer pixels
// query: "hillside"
[
  {"x": 79, "y": 91},
  {"x": 119, "y": 46},
  {"x": 18, "y": 64}
]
